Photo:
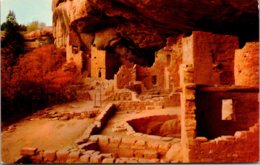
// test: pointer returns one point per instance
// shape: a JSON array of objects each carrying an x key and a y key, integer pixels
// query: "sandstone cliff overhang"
[{"x": 144, "y": 25}]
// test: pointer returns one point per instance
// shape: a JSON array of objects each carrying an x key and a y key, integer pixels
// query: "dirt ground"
[
  {"x": 53, "y": 134},
  {"x": 45, "y": 133}
]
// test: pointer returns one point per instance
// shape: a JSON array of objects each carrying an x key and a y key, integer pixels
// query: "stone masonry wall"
[
  {"x": 125, "y": 76},
  {"x": 176, "y": 60},
  {"x": 139, "y": 105},
  {"x": 131, "y": 147},
  {"x": 214, "y": 52},
  {"x": 243, "y": 147},
  {"x": 158, "y": 70},
  {"x": 209, "y": 110},
  {"x": 246, "y": 65},
  {"x": 188, "y": 122},
  {"x": 153, "y": 77}
]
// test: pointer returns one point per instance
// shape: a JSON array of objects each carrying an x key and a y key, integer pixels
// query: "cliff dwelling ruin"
[{"x": 168, "y": 82}]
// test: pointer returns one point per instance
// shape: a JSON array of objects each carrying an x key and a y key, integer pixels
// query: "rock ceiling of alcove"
[{"x": 146, "y": 23}]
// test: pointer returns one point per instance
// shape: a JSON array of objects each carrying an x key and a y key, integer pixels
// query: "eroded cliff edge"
[{"x": 136, "y": 29}]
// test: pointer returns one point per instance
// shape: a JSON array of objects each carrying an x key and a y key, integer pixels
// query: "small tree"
[
  {"x": 35, "y": 25},
  {"x": 12, "y": 40}
]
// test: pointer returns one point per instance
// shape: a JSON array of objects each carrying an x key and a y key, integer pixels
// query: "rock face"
[
  {"x": 139, "y": 28},
  {"x": 38, "y": 38}
]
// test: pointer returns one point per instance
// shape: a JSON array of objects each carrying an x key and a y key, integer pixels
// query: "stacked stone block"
[{"x": 188, "y": 121}]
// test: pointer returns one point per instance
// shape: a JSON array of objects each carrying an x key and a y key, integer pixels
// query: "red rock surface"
[{"x": 142, "y": 26}]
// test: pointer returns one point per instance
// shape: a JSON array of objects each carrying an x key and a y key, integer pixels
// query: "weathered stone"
[
  {"x": 95, "y": 159},
  {"x": 89, "y": 152},
  {"x": 74, "y": 156},
  {"x": 85, "y": 158},
  {"x": 127, "y": 142},
  {"x": 139, "y": 153},
  {"x": 115, "y": 141},
  {"x": 93, "y": 138},
  {"x": 153, "y": 145},
  {"x": 102, "y": 140},
  {"x": 150, "y": 154},
  {"x": 62, "y": 156},
  {"x": 89, "y": 146},
  {"x": 139, "y": 144},
  {"x": 49, "y": 155},
  {"x": 38, "y": 157},
  {"x": 108, "y": 155},
  {"x": 125, "y": 152},
  {"x": 143, "y": 160},
  {"x": 167, "y": 138},
  {"x": 201, "y": 139},
  {"x": 174, "y": 153},
  {"x": 108, "y": 160},
  {"x": 163, "y": 148},
  {"x": 28, "y": 151},
  {"x": 121, "y": 160}
]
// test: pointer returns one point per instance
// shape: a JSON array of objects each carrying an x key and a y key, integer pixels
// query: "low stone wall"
[
  {"x": 242, "y": 147},
  {"x": 72, "y": 115},
  {"x": 105, "y": 149},
  {"x": 99, "y": 124},
  {"x": 33, "y": 155},
  {"x": 131, "y": 147},
  {"x": 122, "y": 94},
  {"x": 139, "y": 105},
  {"x": 105, "y": 115}
]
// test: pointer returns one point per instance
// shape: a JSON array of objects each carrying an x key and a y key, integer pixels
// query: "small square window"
[{"x": 227, "y": 111}]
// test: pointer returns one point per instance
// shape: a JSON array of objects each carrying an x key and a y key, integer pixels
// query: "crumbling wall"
[
  {"x": 158, "y": 75},
  {"x": 209, "y": 109},
  {"x": 154, "y": 77},
  {"x": 131, "y": 147},
  {"x": 144, "y": 75},
  {"x": 176, "y": 60},
  {"x": 246, "y": 65},
  {"x": 125, "y": 76},
  {"x": 173, "y": 100},
  {"x": 243, "y": 147},
  {"x": 215, "y": 52},
  {"x": 139, "y": 105}
]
